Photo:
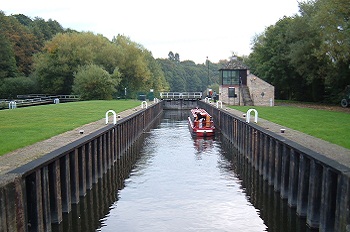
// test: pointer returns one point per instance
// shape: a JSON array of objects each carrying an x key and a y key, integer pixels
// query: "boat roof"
[{"x": 201, "y": 111}]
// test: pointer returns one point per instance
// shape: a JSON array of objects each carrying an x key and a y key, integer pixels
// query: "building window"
[{"x": 230, "y": 77}]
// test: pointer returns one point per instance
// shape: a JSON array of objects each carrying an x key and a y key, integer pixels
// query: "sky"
[{"x": 195, "y": 29}]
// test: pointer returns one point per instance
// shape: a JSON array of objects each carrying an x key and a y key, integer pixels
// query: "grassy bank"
[
  {"x": 25, "y": 126},
  {"x": 331, "y": 126}
]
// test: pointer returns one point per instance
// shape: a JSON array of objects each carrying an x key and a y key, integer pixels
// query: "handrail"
[{"x": 180, "y": 95}]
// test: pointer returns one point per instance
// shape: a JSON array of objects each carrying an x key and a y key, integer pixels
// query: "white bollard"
[
  {"x": 217, "y": 104},
  {"x": 144, "y": 103},
  {"x": 114, "y": 116},
  {"x": 12, "y": 105},
  {"x": 248, "y": 115}
]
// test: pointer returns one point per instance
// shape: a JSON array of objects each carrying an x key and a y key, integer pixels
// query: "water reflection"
[
  {"x": 275, "y": 212},
  {"x": 178, "y": 185},
  {"x": 170, "y": 181}
]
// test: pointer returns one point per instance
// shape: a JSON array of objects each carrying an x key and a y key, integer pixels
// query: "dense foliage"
[
  {"x": 307, "y": 56},
  {"x": 93, "y": 82},
  {"x": 186, "y": 76},
  {"x": 41, "y": 53}
]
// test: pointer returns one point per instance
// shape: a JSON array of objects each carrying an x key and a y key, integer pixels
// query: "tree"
[
  {"x": 177, "y": 58},
  {"x": 65, "y": 53},
  {"x": 171, "y": 56},
  {"x": 333, "y": 18},
  {"x": 7, "y": 58},
  {"x": 11, "y": 87},
  {"x": 23, "y": 42},
  {"x": 157, "y": 82},
  {"x": 93, "y": 82},
  {"x": 133, "y": 64},
  {"x": 188, "y": 76}
]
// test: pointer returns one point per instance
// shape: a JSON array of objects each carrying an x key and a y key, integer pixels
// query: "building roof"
[{"x": 234, "y": 64}]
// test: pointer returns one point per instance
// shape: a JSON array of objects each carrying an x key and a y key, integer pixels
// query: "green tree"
[
  {"x": 7, "y": 58},
  {"x": 65, "y": 53},
  {"x": 132, "y": 63},
  {"x": 11, "y": 87},
  {"x": 93, "y": 82},
  {"x": 23, "y": 42},
  {"x": 333, "y": 17},
  {"x": 270, "y": 60},
  {"x": 187, "y": 76},
  {"x": 157, "y": 82}
]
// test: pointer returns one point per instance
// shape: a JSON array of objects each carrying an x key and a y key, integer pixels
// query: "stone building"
[{"x": 239, "y": 87}]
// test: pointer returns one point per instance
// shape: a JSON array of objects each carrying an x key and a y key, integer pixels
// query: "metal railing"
[
  {"x": 180, "y": 95},
  {"x": 36, "y": 99}
]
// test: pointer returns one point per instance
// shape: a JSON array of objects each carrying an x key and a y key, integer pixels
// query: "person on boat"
[
  {"x": 198, "y": 119},
  {"x": 207, "y": 120}
]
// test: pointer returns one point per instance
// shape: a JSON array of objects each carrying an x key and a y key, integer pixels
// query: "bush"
[
  {"x": 92, "y": 82},
  {"x": 11, "y": 87}
]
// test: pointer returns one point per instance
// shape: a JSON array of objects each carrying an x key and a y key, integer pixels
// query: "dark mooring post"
[
  {"x": 88, "y": 159},
  {"x": 271, "y": 171},
  {"x": 35, "y": 202},
  {"x": 314, "y": 199},
  {"x": 94, "y": 161},
  {"x": 342, "y": 215},
  {"x": 328, "y": 200},
  {"x": 74, "y": 175},
  {"x": 285, "y": 172},
  {"x": 55, "y": 192},
  {"x": 304, "y": 176},
  {"x": 46, "y": 198},
  {"x": 65, "y": 184},
  {"x": 82, "y": 170},
  {"x": 293, "y": 178},
  {"x": 278, "y": 166}
]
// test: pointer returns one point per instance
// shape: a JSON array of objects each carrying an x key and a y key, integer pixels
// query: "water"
[{"x": 180, "y": 183}]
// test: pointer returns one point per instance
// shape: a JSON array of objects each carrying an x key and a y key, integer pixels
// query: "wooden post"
[
  {"x": 82, "y": 170},
  {"x": 293, "y": 178},
  {"x": 65, "y": 184},
  {"x": 304, "y": 176},
  {"x": 285, "y": 172},
  {"x": 314, "y": 199},
  {"x": 88, "y": 160},
  {"x": 55, "y": 192},
  {"x": 74, "y": 174}
]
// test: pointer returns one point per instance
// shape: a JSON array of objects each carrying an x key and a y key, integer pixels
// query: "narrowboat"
[{"x": 201, "y": 123}]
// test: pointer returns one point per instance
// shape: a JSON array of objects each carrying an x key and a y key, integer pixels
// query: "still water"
[{"x": 180, "y": 183}]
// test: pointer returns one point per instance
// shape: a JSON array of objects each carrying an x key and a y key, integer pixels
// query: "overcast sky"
[{"x": 194, "y": 29}]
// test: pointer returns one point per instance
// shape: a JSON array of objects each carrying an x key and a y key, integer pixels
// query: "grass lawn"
[
  {"x": 327, "y": 125},
  {"x": 25, "y": 126}
]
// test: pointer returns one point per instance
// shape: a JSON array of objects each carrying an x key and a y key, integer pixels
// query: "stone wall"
[
  {"x": 261, "y": 92},
  {"x": 223, "y": 96}
]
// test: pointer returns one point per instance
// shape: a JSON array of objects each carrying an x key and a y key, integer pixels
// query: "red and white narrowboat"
[{"x": 201, "y": 123}]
